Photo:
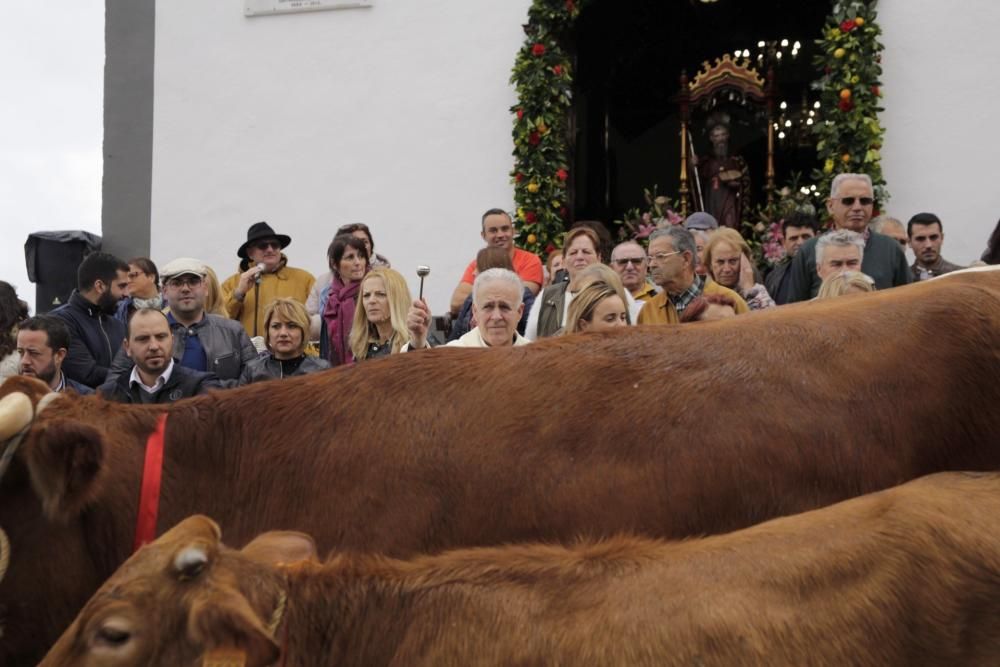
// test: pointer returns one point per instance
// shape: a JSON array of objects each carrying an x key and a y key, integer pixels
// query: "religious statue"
[{"x": 723, "y": 180}]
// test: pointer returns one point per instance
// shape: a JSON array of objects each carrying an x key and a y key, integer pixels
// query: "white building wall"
[
  {"x": 941, "y": 102},
  {"x": 396, "y": 116}
]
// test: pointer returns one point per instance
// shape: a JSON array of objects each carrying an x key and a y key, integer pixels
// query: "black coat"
[
  {"x": 183, "y": 383},
  {"x": 94, "y": 340}
]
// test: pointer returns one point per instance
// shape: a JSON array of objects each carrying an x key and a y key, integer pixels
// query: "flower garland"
[
  {"x": 850, "y": 137},
  {"x": 543, "y": 82}
]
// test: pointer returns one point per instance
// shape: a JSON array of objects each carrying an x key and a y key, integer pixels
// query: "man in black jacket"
[
  {"x": 95, "y": 334},
  {"x": 202, "y": 341},
  {"x": 155, "y": 378}
]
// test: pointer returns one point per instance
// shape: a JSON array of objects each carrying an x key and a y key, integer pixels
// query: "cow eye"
[{"x": 112, "y": 637}]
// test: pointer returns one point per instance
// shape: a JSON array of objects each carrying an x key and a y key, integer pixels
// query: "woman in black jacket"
[{"x": 286, "y": 323}]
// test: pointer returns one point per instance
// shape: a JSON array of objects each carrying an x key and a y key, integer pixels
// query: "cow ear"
[
  {"x": 281, "y": 547},
  {"x": 227, "y": 625},
  {"x": 64, "y": 460}
]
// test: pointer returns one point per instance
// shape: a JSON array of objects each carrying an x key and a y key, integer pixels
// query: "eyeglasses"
[
  {"x": 264, "y": 245},
  {"x": 849, "y": 201},
  {"x": 662, "y": 256},
  {"x": 190, "y": 281},
  {"x": 625, "y": 261}
]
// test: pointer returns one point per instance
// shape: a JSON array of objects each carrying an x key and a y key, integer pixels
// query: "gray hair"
[
  {"x": 841, "y": 238},
  {"x": 627, "y": 243},
  {"x": 680, "y": 238},
  {"x": 879, "y": 223},
  {"x": 497, "y": 276},
  {"x": 840, "y": 178}
]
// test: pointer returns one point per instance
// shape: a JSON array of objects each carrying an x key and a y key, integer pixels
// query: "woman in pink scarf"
[{"x": 349, "y": 263}]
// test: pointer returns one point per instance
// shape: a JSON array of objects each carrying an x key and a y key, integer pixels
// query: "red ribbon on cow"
[{"x": 149, "y": 492}]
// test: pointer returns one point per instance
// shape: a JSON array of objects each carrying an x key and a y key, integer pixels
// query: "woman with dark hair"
[
  {"x": 992, "y": 254},
  {"x": 143, "y": 288},
  {"x": 348, "y": 257},
  {"x": 13, "y": 311}
]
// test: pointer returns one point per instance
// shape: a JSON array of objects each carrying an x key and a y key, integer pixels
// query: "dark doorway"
[{"x": 629, "y": 55}]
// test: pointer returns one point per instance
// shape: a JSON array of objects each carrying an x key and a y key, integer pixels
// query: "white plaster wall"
[
  {"x": 941, "y": 98},
  {"x": 396, "y": 116}
]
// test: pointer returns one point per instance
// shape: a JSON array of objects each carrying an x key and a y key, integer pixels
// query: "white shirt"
[{"x": 160, "y": 381}]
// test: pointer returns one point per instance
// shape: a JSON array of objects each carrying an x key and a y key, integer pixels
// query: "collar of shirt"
[
  {"x": 173, "y": 321},
  {"x": 62, "y": 383},
  {"x": 160, "y": 381},
  {"x": 684, "y": 299}
]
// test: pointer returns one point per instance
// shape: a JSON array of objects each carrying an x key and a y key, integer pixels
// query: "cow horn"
[
  {"x": 44, "y": 402},
  {"x": 15, "y": 415}
]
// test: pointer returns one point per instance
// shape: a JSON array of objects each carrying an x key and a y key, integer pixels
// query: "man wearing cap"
[
  {"x": 155, "y": 377},
  {"x": 850, "y": 206},
  {"x": 701, "y": 225},
  {"x": 263, "y": 276},
  {"x": 926, "y": 236},
  {"x": 201, "y": 341}
]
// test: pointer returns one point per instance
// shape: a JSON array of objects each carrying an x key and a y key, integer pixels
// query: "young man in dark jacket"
[
  {"x": 95, "y": 334},
  {"x": 155, "y": 378}
]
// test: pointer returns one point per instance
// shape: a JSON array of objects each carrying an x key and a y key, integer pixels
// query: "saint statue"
[{"x": 723, "y": 179}]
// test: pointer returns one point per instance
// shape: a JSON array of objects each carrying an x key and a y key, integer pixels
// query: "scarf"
[
  {"x": 338, "y": 315},
  {"x": 155, "y": 302}
]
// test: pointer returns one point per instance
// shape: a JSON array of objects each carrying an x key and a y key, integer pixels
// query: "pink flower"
[
  {"x": 645, "y": 230},
  {"x": 673, "y": 218}
]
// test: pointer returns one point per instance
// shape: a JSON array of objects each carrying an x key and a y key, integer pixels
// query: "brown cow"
[
  {"x": 590, "y": 436},
  {"x": 906, "y": 576}
]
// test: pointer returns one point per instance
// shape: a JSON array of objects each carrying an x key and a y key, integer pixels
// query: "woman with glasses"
[
  {"x": 580, "y": 249},
  {"x": 729, "y": 263},
  {"x": 348, "y": 257},
  {"x": 379, "y": 327},
  {"x": 286, "y": 323}
]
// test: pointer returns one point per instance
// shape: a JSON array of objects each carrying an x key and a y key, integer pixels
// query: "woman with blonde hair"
[
  {"x": 729, "y": 262},
  {"x": 379, "y": 327},
  {"x": 848, "y": 282},
  {"x": 286, "y": 326},
  {"x": 213, "y": 294},
  {"x": 599, "y": 306}
]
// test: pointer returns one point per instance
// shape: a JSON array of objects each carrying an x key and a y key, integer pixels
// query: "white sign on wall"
[{"x": 268, "y": 7}]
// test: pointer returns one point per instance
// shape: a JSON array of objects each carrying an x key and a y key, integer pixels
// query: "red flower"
[
  {"x": 845, "y": 105},
  {"x": 570, "y": 6},
  {"x": 538, "y": 50},
  {"x": 848, "y": 25},
  {"x": 529, "y": 216},
  {"x": 518, "y": 177},
  {"x": 550, "y": 248},
  {"x": 875, "y": 91},
  {"x": 564, "y": 213},
  {"x": 534, "y": 138},
  {"x": 557, "y": 70},
  {"x": 562, "y": 174},
  {"x": 520, "y": 114}
]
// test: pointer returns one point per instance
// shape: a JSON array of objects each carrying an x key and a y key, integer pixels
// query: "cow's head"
[
  {"x": 184, "y": 597},
  {"x": 53, "y": 470}
]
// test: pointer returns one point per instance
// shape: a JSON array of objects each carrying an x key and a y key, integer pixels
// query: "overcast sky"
[{"x": 51, "y": 124}]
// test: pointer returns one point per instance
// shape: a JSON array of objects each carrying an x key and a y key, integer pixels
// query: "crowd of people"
[{"x": 139, "y": 333}]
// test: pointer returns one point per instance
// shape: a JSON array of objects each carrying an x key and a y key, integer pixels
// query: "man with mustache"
[
  {"x": 850, "y": 206},
  {"x": 42, "y": 342},
  {"x": 724, "y": 177},
  {"x": 155, "y": 378},
  {"x": 95, "y": 334}
]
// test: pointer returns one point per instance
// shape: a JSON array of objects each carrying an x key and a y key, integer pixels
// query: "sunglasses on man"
[
  {"x": 849, "y": 201},
  {"x": 625, "y": 261},
  {"x": 265, "y": 245}
]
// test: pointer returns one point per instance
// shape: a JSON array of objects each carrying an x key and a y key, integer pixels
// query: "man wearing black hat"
[
  {"x": 926, "y": 236},
  {"x": 263, "y": 276}
]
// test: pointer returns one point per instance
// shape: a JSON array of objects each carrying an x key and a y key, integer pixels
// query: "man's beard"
[
  {"x": 47, "y": 374},
  {"x": 720, "y": 150},
  {"x": 107, "y": 303}
]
